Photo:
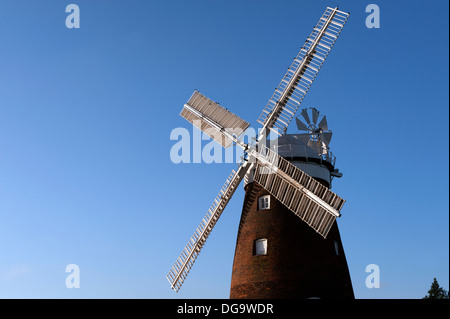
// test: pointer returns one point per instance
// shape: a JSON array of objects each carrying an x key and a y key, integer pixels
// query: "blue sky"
[{"x": 86, "y": 115}]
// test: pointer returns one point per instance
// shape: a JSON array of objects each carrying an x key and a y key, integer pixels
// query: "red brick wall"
[{"x": 299, "y": 262}]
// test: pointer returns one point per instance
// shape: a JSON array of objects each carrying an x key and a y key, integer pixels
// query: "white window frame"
[
  {"x": 260, "y": 247},
  {"x": 264, "y": 202}
]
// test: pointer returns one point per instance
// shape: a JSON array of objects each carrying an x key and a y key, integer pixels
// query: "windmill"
[{"x": 306, "y": 197}]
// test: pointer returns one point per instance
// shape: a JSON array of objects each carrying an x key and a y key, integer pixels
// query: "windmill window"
[
  {"x": 336, "y": 247},
  {"x": 264, "y": 202},
  {"x": 260, "y": 247}
]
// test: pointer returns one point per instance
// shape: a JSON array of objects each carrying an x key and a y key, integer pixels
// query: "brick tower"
[{"x": 277, "y": 254}]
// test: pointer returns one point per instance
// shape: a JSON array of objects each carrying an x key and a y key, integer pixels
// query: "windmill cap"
[{"x": 300, "y": 147}]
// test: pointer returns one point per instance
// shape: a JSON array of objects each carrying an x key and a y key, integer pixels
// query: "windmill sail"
[
  {"x": 199, "y": 107},
  {"x": 287, "y": 97},
  {"x": 185, "y": 261},
  {"x": 303, "y": 195}
]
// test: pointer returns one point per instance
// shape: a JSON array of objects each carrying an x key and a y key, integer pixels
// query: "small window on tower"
[
  {"x": 260, "y": 247},
  {"x": 264, "y": 202}
]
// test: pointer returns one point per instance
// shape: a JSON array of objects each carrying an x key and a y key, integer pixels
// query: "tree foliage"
[{"x": 436, "y": 292}]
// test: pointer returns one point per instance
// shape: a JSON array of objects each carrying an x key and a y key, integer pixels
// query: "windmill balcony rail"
[{"x": 291, "y": 151}]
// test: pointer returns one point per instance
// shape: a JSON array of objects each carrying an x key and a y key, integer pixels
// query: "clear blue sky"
[{"x": 86, "y": 114}]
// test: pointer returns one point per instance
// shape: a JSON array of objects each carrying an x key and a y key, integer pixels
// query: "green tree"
[{"x": 436, "y": 292}]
